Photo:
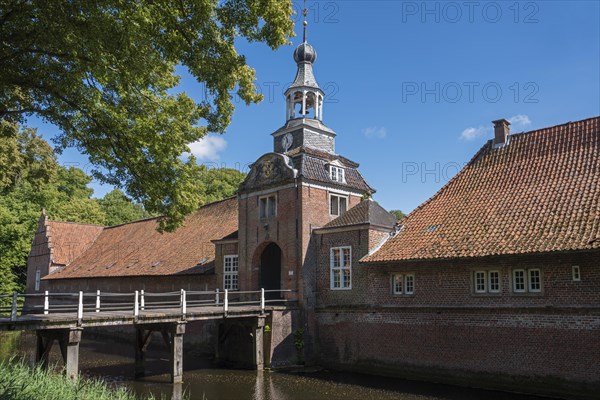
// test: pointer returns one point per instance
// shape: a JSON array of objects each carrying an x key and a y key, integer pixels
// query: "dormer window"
[{"x": 336, "y": 174}]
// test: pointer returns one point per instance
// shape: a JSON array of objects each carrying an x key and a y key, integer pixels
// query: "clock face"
[{"x": 286, "y": 142}]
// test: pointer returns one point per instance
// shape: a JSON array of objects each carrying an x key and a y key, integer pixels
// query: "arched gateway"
[{"x": 270, "y": 270}]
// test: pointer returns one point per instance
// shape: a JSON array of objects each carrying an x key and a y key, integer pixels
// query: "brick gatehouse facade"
[{"x": 492, "y": 282}]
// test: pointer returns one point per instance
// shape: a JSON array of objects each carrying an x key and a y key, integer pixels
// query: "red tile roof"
[
  {"x": 68, "y": 239},
  {"x": 138, "y": 249},
  {"x": 539, "y": 193}
]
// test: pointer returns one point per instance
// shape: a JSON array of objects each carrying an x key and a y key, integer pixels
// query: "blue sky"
[{"x": 412, "y": 87}]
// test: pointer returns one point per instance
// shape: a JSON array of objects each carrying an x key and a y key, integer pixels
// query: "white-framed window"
[
  {"x": 230, "y": 272},
  {"x": 480, "y": 282},
  {"x": 494, "y": 281},
  {"x": 267, "y": 206},
  {"x": 527, "y": 280},
  {"x": 398, "y": 284},
  {"x": 409, "y": 284},
  {"x": 336, "y": 174},
  {"x": 486, "y": 281},
  {"x": 341, "y": 268},
  {"x": 38, "y": 277},
  {"x": 337, "y": 204},
  {"x": 576, "y": 273},
  {"x": 403, "y": 284},
  {"x": 518, "y": 280},
  {"x": 535, "y": 280}
]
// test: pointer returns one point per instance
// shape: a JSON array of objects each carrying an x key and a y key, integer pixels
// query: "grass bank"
[{"x": 20, "y": 382}]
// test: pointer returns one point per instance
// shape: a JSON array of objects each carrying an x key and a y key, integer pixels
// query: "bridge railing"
[{"x": 138, "y": 302}]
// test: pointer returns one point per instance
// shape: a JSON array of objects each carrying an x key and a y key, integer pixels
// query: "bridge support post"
[
  {"x": 172, "y": 334},
  {"x": 142, "y": 339},
  {"x": 177, "y": 352},
  {"x": 68, "y": 340},
  {"x": 69, "y": 346},
  {"x": 44, "y": 345},
  {"x": 258, "y": 335}
]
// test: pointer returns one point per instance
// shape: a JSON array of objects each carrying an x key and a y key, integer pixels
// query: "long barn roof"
[
  {"x": 138, "y": 249},
  {"x": 538, "y": 193}
]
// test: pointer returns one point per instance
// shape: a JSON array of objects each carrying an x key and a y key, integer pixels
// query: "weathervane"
[{"x": 305, "y": 13}]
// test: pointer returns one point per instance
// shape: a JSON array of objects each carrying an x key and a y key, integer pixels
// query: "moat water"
[{"x": 112, "y": 361}]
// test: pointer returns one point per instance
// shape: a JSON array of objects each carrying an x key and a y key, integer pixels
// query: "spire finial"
[{"x": 305, "y": 13}]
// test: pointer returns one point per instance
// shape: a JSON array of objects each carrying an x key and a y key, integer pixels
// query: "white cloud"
[
  {"x": 208, "y": 148},
  {"x": 520, "y": 120},
  {"x": 473, "y": 133},
  {"x": 378, "y": 132}
]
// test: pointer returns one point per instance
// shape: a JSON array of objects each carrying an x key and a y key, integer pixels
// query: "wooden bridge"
[{"x": 61, "y": 317}]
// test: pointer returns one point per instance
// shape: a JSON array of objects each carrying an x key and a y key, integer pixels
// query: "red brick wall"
[
  {"x": 39, "y": 256},
  {"x": 256, "y": 233},
  {"x": 127, "y": 284},
  {"x": 280, "y": 349},
  {"x": 547, "y": 342},
  {"x": 310, "y": 207},
  {"x": 518, "y": 349}
]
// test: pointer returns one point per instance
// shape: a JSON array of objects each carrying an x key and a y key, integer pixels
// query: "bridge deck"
[{"x": 112, "y": 318}]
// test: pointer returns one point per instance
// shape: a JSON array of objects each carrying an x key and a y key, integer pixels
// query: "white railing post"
[
  {"x": 183, "y": 303},
  {"x": 80, "y": 308},
  {"x": 226, "y": 302},
  {"x": 142, "y": 300},
  {"x": 217, "y": 297},
  {"x": 136, "y": 304},
  {"x": 13, "y": 312},
  {"x": 46, "y": 303},
  {"x": 262, "y": 299},
  {"x": 97, "y": 301}
]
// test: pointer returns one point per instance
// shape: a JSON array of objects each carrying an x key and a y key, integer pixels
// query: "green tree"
[
  {"x": 220, "y": 183},
  {"x": 398, "y": 214},
  {"x": 27, "y": 165},
  {"x": 118, "y": 209},
  {"x": 37, "y": 182},
  {"x": 104, "y": 73}
]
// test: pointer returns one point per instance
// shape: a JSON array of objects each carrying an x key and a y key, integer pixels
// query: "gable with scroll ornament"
[{"x": 271, "y": 169}]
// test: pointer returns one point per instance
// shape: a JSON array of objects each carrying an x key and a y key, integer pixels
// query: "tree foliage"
[
  {"x": 104, "y": 73},
  {"x": 118, "y": 209},
  {"x": 398, "y": 214},
  {"x": 31, "y": 179},
  {"x": 220, "y": 183}
]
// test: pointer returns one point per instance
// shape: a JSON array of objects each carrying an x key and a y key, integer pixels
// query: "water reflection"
[{"x": 114, "y": 362}]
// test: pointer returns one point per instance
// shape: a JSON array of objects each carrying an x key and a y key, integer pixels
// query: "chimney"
[{"x": 501, "y": 132}]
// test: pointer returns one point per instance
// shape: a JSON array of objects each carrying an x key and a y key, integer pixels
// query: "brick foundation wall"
[
  {"x": 280, "y": 344},
  {"x": 520, "y": 350}
]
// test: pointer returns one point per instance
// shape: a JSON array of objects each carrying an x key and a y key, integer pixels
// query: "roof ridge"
[
  {"x": 548, "y": 128},
  {"x": 76, "y": 223},
  {"x": 156, "y": 218},
  {"x": 480, "y": 152}
]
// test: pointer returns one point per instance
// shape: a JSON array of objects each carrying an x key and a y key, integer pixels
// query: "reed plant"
[{"x": 21, "y": 382}]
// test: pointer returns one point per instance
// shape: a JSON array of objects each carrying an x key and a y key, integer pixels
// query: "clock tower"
[
  {"x": 300, "y": 186},
  {"x": 304, "y": 101}
]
